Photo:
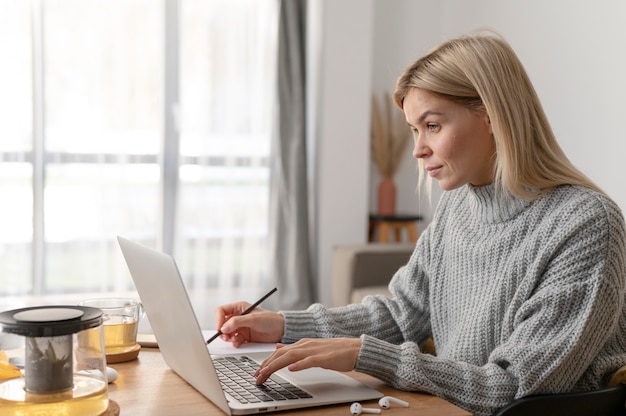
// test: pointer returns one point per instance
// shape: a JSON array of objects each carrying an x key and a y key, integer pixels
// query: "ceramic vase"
[{"x": 387, "y": 197}]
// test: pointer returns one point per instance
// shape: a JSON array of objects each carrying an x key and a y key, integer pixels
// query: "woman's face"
[{"x": 455, "y": 143}]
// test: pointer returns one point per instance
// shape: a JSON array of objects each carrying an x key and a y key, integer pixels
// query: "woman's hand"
[
  {"x": 259, "y": 325},
  {"x": 331, "y": 353}
]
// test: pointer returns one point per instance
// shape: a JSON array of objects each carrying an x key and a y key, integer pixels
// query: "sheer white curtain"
[
  {"x": 84, "y": 118},
  {"x": 228, "y": 64},
  {"x": 80, "y": 142}
]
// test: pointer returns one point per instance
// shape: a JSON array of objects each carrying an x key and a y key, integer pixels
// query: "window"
[{"x": 145, "y": 119}]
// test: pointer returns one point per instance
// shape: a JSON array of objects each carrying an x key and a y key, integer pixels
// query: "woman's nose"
[{"x": 420, "y": 150}]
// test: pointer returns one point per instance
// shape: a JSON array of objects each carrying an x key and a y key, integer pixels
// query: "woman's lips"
[{"x": 433, "y": 171}]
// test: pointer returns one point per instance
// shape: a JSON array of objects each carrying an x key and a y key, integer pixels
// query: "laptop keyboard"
[{"x": 237, "y": 377}]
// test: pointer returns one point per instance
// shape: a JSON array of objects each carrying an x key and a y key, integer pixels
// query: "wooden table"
[{"x": 147, "y": 386}]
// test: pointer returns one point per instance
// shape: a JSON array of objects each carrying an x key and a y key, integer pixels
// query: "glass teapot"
[{"x": 57, "y": 364}]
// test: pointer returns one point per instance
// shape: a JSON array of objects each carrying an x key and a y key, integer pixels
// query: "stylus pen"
[{"x": 247, "y": 311}]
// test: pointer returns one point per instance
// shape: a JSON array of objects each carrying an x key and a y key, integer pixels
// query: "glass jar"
[{"x": 60, "y": 355}]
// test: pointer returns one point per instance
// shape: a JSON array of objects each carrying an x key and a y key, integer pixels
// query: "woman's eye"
[{"x": 433, "y": 127}]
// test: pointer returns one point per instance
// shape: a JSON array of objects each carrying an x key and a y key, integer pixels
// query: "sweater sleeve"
[{"x": 405, "y": 318}]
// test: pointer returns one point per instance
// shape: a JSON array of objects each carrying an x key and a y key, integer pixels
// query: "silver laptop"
[{"x": 183, "y": 347}]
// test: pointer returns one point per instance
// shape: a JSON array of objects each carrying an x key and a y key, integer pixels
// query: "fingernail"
[
  {"x": 260, "y": 378},
  {"x": 225, "y": 329}
]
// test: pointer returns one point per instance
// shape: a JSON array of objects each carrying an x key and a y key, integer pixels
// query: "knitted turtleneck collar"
[{"x": 490, "y": 206}]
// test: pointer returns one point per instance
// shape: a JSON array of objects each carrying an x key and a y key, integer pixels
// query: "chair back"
[{"x": 609, "y": 401}]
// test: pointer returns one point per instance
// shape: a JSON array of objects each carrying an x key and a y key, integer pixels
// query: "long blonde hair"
[{"x": 481, "y": 71}]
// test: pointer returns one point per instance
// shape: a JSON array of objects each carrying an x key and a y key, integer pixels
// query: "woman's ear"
[{"x": 485, "y": 114}]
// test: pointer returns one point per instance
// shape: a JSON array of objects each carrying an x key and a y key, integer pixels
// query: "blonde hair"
[{"x": 482, "y": 72}]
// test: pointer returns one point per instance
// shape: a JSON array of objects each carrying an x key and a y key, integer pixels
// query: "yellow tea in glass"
[
  {"x": 120, "y": 319},
  {"x": 120, "y": 335}
]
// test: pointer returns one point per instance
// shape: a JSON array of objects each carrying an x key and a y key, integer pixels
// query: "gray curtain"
[{"x": 290, "y": 261}]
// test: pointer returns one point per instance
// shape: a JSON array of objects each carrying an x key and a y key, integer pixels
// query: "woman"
[{"x": 520, "y": 277}]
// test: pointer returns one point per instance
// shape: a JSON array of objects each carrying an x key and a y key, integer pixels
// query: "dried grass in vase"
[{"x": 390, "y": 136}]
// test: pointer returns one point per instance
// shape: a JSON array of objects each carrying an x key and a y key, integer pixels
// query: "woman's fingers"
[
  {"x": 335, "y": 354},
  {"x": 257, "y": 326},
  {"x": 225, "y": 312}
]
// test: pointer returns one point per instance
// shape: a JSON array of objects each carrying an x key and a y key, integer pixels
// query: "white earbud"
[
  {"x": 357, "y": 409},
  {"x": 386, "y": 401}
]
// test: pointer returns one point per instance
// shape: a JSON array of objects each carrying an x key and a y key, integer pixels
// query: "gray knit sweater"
[{"x": 521, "y": 297}]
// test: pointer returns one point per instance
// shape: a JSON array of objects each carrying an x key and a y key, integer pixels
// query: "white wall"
[
  {"x": 343, "y": 79},
  {"x": 574, "y": 52}
]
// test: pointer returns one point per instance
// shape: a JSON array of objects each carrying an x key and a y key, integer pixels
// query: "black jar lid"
[{"x": 49, "y": 321}]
